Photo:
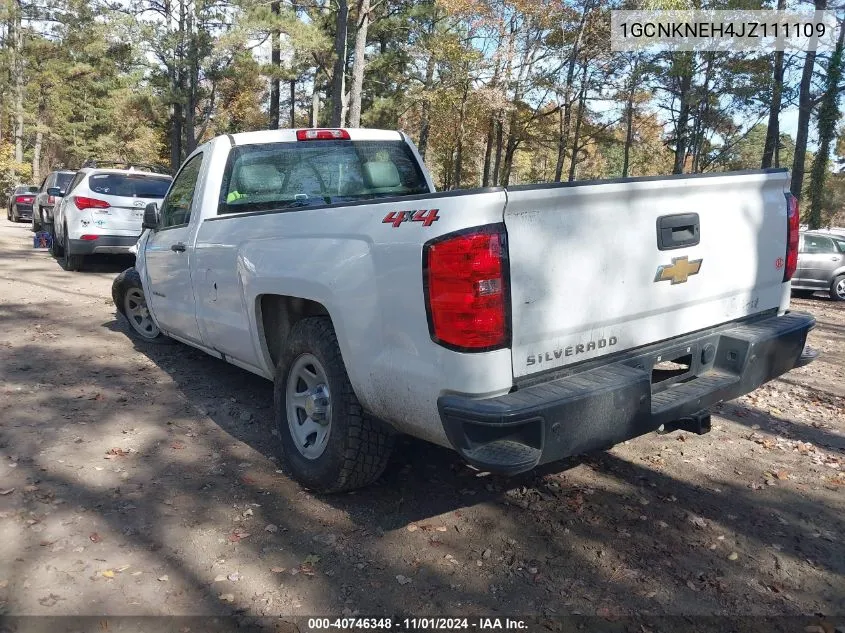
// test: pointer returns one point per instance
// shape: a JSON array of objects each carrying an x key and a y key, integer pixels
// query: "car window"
[
  {"x": 840, "y": 245},
  {"x": 129, "y": 185},
  {"x": 818, "y": 244},
  {"x": 63, "y": 180},
  {"x": 75, "y": 182},
  {"x": 302, "y": 174},
  {"x": 176, "y": 208}
]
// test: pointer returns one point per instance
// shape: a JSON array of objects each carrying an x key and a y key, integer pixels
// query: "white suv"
[{"x": 102, "y": 212}]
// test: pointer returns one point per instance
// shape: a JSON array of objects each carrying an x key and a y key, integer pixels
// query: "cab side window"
[{"x": 176, "y": 207}]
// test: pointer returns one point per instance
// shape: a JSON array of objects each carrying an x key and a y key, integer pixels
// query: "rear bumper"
[
  {"x": 613, "y": 402},
  {"x": 24, "y": 211},
  {"x": 104, "y": 244}
]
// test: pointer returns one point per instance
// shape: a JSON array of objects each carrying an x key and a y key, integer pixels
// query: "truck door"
[{"x": 168, "y": 254}]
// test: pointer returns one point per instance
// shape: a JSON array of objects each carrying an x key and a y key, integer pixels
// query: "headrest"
[
  {"x": 258, "y": 178},
  {"x": 381, "y": 174}
]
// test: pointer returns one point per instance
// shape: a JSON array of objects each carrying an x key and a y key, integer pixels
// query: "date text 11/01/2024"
[{"x": 417, "y": 624}]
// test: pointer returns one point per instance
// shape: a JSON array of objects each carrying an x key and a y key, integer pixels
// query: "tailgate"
[
  {"x": 588, "y": 278},
  {"x": 125, "y": 213}
]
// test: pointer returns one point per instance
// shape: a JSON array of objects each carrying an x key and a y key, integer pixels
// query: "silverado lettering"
[{"x": 572, "y": 350}]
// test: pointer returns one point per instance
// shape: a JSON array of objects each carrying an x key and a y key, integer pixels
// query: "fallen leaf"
[
  {"x": 227, "y": 597},
  {"x": 698, "y": 522},
  {"x": 116, "y": 452},
  {"x": 8, "y": 491},
  {"x": 782, "y": 474},
  {"x": 733, "y": 556},
  {"x": 235, "y": 577},
  {"x": 95, "y": 538},
  {"x": 163, "y": 578},
  {"x": 277, "y": 570},
  {"x": 311, "y": 559},
  {"x": 247, "y": 480},
  {"x": 108, "y": 573},
  {"x": 402, "y": 580},
  {"x": 271, "y": 528},
  {"x": 122, "y": 568},
  {"x": 411, "y": 528},
  {"x": 237, "y": 535},
  {"x": 177, "y": 446},
  {"x": 442, "y": 528},
  {"x": 219, "y": 578}
]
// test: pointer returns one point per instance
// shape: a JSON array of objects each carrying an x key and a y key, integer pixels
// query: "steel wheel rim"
[
  {"x": 308, "y": 406},
  {"x": 840, "y": 289},
  {"x": 135, "y": 305}
]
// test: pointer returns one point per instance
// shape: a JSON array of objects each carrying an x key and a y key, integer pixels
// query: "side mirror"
[
  {"x": 55, "y": 192},
  {"x": 150, "y": 220}
]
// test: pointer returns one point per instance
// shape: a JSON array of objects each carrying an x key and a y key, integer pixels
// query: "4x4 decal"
[{"x": 426, "y": 216}]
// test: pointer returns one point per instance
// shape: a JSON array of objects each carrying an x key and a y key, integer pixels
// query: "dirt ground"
[{"x": 139, "y": 479}]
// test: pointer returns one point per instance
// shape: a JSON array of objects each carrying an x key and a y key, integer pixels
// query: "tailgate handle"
[{"x": 678, "y": 231}]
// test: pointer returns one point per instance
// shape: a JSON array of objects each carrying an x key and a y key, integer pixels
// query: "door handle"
[
  {"x": 178, "y": 247},
  {"x": 834, "y": 259}
]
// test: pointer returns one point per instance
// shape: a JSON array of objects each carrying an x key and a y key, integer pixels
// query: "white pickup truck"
[{"x": 517, "y": 326}]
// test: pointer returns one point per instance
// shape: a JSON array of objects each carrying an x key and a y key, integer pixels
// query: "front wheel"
[
  {"x": 837, "y": 288},
  {"x": 328, "y": 443},
  {"x": 128, "y": 295},
  {"x": 70, "y": 262}
]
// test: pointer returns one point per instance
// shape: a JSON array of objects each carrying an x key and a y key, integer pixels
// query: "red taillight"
[
  {"x": 24, "y": 199},
  {"x": 51, "y": 199},
  {"x": 322, "y": 135},
  {"x": 792, "y": 225},
  {"x": 89, "y": 238},
  {"x": 82, "y": 202},
  {"x": 465, "y": 276}
]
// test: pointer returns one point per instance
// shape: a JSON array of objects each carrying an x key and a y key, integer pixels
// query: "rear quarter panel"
[{"x": 368, "y": 275}]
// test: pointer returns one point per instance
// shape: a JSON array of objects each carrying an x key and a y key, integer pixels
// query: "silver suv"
[{"x": 821, "y": 264}]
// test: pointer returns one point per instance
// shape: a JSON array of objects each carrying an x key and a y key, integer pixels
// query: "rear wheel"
[
  {"x": 837, "y": 288},
  {"x": 15, "y": 217},
  {"x": 328, "y": 443},
  {"x": 36, "y": 220},
  {"x": 70, "y": 262},
  {"x": 56, "y": 249},
  {"x": 128, "y": 295}
]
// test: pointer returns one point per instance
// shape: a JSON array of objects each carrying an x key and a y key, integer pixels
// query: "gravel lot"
[{"x": 138, "y": 479}]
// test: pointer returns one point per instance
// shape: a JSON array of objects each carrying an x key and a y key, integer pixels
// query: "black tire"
[
  {"x": 15, "y": 217},
  {"x": 837, "y": 288},
  {"x": 56, "y": 249},
  {"x": 36, "y": 220},
  {"x": 9, "y": 213},
  {"x": 125, "y": 281},
  {"x": 73, "y": 263},
  {"x": 358, "y": 446}
]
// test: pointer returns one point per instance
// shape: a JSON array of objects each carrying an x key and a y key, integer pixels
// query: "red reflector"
[
  {"x": 466, "y": 289},
  {"x": 792, "y": 226},
  {"x": 24, "y": 199},
  {"x": 82, "y": 202},
  {"x": 322, "y": 135},
  {"x": 89, "y": 238}
]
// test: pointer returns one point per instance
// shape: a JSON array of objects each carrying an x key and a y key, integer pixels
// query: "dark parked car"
[
  {"x": 20, "y": 203},
  {"x": 821, "y": 264},
  {"x": 42, "y": 208}
]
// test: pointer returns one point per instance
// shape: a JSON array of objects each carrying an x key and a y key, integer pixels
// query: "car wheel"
[
  {"x": 55, "y": 247},
  {"x": 127, "y": 292},
  {"x": 36, "y": 220},
  {"x": 837, "y": 288},
  {"x": 70, "y": 262},
  {"x": 328, "y": 443},
  {"x": 9, "y": 213},
  {"x": 15, "y": 215}
]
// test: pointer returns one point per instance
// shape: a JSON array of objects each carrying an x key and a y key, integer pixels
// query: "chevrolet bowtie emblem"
[{"x": 679, "y": 271}]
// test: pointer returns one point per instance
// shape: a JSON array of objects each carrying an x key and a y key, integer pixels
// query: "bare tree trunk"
[
  {"x": 459, "y": 153},
  {"x": 359, "y": 63},
  {"x": 500, "y": 141},
  {"x": 773, "y": 128},
  {"x": 805, "y": 110},
  {"x": 582, "y": 105},
  {"x": 293, "y": 102},
  {"x": 682, "y": 61},
  {"x": 275, "y": 62},
  {"x": 193, "y": 81},
  {"x": 315, "y": 104},
  {"x": 488, "y": 152},
  {"x": 339, "y": 73},
  {"x": 17, "y": 65},
  {"x": 629, "y": 132},
  {"x": 565, "y": 117},
  {"x": 422, "y": 145},
  {"x": 39, "y": 140}
]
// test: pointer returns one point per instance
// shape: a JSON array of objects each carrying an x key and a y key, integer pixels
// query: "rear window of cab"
[
  {"x": 129, "y": 185},
  {"x": 275, "y": 176}
]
